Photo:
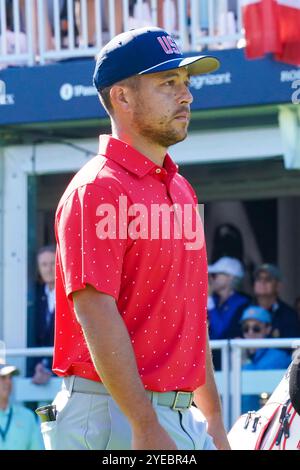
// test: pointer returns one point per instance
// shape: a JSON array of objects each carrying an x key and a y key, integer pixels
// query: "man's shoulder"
[
  {"x": 284, "y": 307},
  {"x": 97, "y": 175},
  {"x": 183, "y": 183}
]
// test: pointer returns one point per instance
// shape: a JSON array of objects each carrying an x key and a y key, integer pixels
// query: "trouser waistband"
[{"x": 178, "y": 400}]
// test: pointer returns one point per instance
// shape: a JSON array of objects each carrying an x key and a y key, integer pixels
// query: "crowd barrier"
[
  {"x": 33, "y": 31},
  {"x": 231, "y": 381}
]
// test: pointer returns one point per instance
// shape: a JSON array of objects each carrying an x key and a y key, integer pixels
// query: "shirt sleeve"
[{"x": 91, "y": 233}]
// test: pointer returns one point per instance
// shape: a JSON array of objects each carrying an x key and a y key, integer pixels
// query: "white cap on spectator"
[
  {"x": 6, "y": 369},
  {"x": 227, "y": 265}
]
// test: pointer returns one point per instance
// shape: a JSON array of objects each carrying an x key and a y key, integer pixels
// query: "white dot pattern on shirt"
[{"x": 155, "y": 290}]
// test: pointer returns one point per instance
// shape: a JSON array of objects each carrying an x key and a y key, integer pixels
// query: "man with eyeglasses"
[
  {"x": 256, "y": 323},
  {"x": 267, "y": 283}
]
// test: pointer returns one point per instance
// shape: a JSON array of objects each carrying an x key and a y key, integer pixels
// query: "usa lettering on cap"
[{"x": 168, "y": 44}]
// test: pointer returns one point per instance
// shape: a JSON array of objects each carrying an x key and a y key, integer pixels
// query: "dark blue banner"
[{"x": 64, "y": 90}]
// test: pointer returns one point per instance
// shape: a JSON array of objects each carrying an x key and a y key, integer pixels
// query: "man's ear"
[{"x": 119, "y": 97}]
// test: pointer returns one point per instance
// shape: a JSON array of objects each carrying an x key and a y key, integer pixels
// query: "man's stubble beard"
[{"x": 157, "y": 134}]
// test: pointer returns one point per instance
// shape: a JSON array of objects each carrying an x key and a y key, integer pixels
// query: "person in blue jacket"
[
  {"x": 225, "y": 303},
  {"x": 256, "y": 323}
]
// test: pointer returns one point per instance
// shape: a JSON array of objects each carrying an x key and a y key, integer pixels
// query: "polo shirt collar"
[{"x": 132, "y": 160}]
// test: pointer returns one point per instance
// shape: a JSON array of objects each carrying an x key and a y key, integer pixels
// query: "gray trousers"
[{"x": 90, "y": 421}]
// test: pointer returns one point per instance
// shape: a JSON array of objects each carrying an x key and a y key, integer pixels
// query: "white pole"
[
  {"x": 194, "y": 24},
  {"x": 154, "y": 11},
  {"x": 183, "y": 38},
  {"x": 3, "y": 27},
  {"x": 112, "y": 18},
  {"x": 236, "y": 387},
  {"x": 125, "y": 14},
  {"x": 71, "y": 25},
  {"x": 17, "y": 29},
  {"x": 98, "y": 19},
  {"x": 41, "y": 30},
  {"x": 226, "y": 384},
  {"x": 29, "y": 30},
  {"x": 84, "y": 24}
]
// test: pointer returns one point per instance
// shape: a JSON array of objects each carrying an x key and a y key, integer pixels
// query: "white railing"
[
  {"x": 239, "y": 378},
  {"x": 38, "y": 31},
  {"x": 223, "y": 378},
  {"x": 232, "y": 382}
]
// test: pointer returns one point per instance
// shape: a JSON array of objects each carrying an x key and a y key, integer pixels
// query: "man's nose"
[{"x": 186, "y": 96}]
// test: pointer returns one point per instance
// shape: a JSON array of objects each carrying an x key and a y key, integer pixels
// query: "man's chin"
[{"x": 180, "y": 137}]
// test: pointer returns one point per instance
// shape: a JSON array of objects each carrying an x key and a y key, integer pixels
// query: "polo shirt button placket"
[{"x": 162, "y": 174}]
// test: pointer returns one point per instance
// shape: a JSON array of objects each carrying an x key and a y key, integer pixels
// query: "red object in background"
[
  {"x": 261, "y": 28},
  {"x": 273, "y": 26},
  {"x": 289, "y": 31}
]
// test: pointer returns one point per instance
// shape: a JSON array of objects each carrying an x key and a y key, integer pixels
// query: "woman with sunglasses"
[{"x": 256, "y": 323}]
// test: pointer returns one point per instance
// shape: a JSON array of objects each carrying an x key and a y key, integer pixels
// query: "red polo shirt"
[{"x": 142, "y": 257}]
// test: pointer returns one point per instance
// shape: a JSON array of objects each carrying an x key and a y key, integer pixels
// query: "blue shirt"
[
  {"x": 224, "y": 318},
  {"x": 265, "y": 359},
  {"x": 23, "y": 432}
]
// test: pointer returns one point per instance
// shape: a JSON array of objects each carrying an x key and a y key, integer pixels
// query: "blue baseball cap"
[
  {"x": 255, "y": 312},
  {"x": 142, "y": 51}
]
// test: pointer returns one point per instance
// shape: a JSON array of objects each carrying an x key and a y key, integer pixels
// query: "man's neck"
[
  {"x": 266, "y": 301},
  {"x": 224, "y": 294},
  {"x": 151, "y": 150}
]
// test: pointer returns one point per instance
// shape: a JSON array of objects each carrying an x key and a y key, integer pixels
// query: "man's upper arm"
[{"x": 90, "y": 300}]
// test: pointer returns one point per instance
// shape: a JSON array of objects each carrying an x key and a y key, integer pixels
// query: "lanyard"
[{"x": 3, "y": 433}]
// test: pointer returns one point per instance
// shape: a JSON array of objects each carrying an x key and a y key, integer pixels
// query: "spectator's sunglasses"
[{"x": 255, "y": 329}]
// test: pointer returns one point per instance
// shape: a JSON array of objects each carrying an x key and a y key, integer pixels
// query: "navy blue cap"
[{"x": 142, "y": 51}]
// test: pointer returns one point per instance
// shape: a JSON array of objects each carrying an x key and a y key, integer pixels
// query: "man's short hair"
[{"x": 104, "y": 93}]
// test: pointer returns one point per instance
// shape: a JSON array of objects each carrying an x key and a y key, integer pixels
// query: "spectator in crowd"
[
  {"x": 19, "y": 429},
  {"x": 227, "y": 241},
  {"x": 297, "y": 307},
  {"x": 45, "y": 307},
  {"x": 47, "y": 32},
  {"x": 91, "y": 22},
  {"x": 225, "y": 304},
  {"x": 257, "y": 324},
  {"x": 267, "y": 281},
  {"x": 140, "y": 14},
  {"x": 9, "y": 37},
  {"x": 167, "y": 15}
]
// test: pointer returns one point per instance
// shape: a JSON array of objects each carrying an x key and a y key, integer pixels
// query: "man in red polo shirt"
[{"x": 131, "y": 285}]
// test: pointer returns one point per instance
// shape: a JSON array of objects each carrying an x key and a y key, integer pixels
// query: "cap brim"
[
  {"x": 8, "y": 370},
  {"x": 212, "y": 270},
  {"x": 196, "y": 65}
]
